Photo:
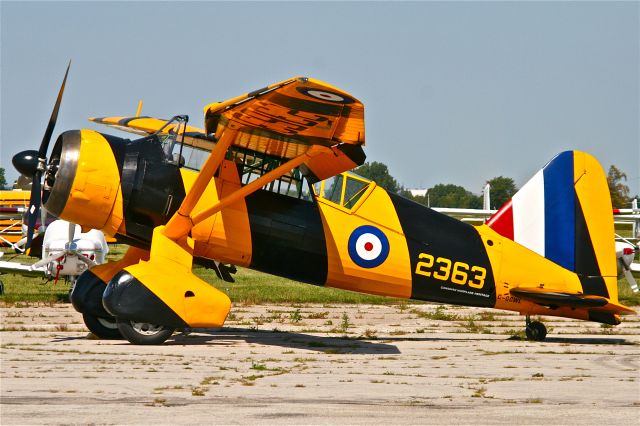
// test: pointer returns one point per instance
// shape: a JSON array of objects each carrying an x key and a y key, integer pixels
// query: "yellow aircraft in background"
[{"x": 266, "y": 185}]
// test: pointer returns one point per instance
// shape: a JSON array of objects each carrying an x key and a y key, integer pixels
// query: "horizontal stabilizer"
[
  {"x": 558, "y": 298},
  {"x": 549, "y": 297}
]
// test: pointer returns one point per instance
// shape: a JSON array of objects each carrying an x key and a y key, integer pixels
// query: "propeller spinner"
[{"x": 34, "y": 163}]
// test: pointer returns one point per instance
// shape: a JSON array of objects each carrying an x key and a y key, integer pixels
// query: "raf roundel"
[
  {"x": 368, "y": 246},
  {"x": 325, "y": 95}
]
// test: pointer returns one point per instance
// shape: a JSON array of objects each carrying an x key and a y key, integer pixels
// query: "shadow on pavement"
[
  {"x": 228, "y": 336},
  {"x": 331, "y": 344}
]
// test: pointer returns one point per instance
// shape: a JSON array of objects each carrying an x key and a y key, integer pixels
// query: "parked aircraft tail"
[{"x": 564, "y": 214}]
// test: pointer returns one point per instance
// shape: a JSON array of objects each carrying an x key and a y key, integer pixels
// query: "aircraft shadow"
[
  {"x": 575, "y": 340},
  {"x": 327, "y": 344},
  {"x": 69, "y": 338},
  {"x": 589, "y": 340},
  {"x": 331, "y": 344}
]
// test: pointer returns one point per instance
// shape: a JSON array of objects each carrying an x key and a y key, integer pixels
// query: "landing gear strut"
[{"x": 535, "y": 330}]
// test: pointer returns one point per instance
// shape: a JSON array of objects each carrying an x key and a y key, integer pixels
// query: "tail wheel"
[
  {"x": 536, "y": 331},
  {"x": 104, "y": 328},
  {"x": 142, "y": 333}
]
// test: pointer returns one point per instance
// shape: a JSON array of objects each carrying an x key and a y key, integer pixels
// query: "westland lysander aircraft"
[{"x": 265, "y": 185}]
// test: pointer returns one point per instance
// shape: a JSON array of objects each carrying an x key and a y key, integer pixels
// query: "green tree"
[
  {"x": 502, "y": 189},
  {"x": 618, "y": 190},
  {"x": 379, "y": 173},
  {"x": 449, "y": 195},
  {"x": 3, "y": 180}
]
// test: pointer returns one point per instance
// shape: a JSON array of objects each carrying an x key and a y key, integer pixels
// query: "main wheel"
[
  {"x": 104, "y": 328},
  {"x": 142, "y": 333},
  {"x": 536, "y": 331}
]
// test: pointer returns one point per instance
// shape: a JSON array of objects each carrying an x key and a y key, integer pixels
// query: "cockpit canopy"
[{"x": 345, "y": 189}]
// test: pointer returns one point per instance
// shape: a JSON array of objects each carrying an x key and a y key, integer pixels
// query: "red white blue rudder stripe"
[{"x": 542, "y": 214}]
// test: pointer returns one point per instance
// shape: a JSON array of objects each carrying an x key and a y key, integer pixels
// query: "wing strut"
[{"x": 180, "y": 223}]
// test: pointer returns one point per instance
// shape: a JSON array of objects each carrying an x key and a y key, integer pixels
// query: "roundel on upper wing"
[
  {"x": 325, "y": 95},
  {"x": 368, "y": 246}
]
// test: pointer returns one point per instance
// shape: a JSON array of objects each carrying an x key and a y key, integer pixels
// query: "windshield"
[
  {"x": 171, "y": 137},
  {"x": 345, "y": 189}
]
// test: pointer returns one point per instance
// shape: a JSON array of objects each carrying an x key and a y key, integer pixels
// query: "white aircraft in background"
[
  {"x": 66, "y": 253},
  {"x": 626, "y": 248},
  {"x": 625, "y": 254}
]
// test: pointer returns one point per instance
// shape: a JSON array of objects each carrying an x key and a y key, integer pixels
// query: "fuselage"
[{"x": 348, "y": 233}]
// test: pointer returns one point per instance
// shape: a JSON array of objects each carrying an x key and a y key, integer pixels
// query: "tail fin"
[{"x": 564, "y": 214}]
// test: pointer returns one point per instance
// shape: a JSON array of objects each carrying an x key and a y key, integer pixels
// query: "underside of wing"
[{"x": 286, "y": 119}]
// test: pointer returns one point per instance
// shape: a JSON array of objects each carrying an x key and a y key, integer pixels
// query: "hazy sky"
[{"x": 454, "y": 92}]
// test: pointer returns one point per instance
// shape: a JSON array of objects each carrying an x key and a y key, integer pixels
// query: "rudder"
[{"x": 564, "y": 214}]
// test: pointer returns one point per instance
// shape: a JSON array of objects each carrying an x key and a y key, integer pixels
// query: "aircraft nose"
[
  {"x": 26, "y": 162},
  {"x": 82, "y": 182}
]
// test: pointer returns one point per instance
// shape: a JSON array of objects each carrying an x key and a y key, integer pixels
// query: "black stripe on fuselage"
[
  {"x": 586, "y": 262},
  {"x": 287, "y": 237},
  {"x": 440, "y": 236}
]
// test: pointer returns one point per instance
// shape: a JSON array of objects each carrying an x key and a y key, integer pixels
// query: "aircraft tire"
[
  {"x": 104, "y": 328},
  {"x": 143, "y": 333},
  {"x": 536, "y": 331}
]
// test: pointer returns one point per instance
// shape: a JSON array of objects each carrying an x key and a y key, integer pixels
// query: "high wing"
[
  {"x": 283, "y": 121},
  {"x": 144, "y": 126}
]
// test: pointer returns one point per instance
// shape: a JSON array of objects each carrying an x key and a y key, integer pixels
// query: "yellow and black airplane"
[{"x": 266, "y": 185}]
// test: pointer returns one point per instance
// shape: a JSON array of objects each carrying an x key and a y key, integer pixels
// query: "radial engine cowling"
[{"x": 82, "y": 181}]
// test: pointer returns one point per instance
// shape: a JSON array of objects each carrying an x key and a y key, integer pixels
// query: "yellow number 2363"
[{"x": 444, "y": 269}]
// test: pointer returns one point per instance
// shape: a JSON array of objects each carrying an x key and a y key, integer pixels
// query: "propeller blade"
[
  {"x": 72, "y": 232},
  {"x": 36, "y": 194},
  {"x": 90, "y": 263},
  {"x": 34, "y": 207},
  {"x": 44, "y": 146},
  {"x": 46, "y": 260},
  {"x": 632, "y": 281},
  {"x": 43, "y": 219}
]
